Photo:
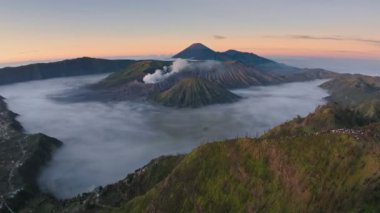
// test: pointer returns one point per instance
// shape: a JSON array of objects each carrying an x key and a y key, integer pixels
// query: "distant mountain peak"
[
  {"x": 198, "y": 46},
  {"x": 198, "y": 51},
  {"x": 231, "y": 51}
]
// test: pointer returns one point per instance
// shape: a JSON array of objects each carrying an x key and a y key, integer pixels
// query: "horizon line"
[{"x": 18, "y": 63}]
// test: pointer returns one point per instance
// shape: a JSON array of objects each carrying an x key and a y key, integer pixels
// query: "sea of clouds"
[{"x": 103, "y": 142}]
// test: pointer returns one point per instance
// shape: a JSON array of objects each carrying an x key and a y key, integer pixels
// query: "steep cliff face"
[{"x": 21, "y": 158}]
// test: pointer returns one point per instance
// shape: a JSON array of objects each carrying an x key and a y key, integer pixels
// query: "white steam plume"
[{"x": 160, "y": 75}]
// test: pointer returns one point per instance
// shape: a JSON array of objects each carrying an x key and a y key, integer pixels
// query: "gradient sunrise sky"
[{"x": 49, "y": 29}]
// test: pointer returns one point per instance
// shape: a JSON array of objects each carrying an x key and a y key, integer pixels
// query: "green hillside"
[
  {"x": 324, "y": 171},
  {"x": 327, "y": 117}
]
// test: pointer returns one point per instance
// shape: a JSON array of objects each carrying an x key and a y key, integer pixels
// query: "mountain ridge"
[
  {"x": 198, "y": 51},
  {"x": 64, "y": 68}
]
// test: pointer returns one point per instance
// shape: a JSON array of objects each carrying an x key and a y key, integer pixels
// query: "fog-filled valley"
[{"x": 105, "y": 141}]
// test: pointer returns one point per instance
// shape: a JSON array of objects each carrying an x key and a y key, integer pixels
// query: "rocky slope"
[
  {"x": 229, "y": 74},
  {"x": 195, "y": 92},
  {"x": 21, "y": 158}
]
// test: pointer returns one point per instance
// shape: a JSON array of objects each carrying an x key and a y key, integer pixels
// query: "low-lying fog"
[{"x": 106, "y": 141}]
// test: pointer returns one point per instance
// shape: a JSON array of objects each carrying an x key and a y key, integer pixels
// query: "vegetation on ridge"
[
  {"x": 328, "y": 172},
  {"x": 360, "y": 93},
  {"x": 328, "y": 161}
]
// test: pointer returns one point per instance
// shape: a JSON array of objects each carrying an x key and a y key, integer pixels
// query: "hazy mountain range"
[{"x": 328, "y": 161}]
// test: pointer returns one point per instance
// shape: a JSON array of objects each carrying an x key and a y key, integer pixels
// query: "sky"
[{"x": 48, "y": 30}]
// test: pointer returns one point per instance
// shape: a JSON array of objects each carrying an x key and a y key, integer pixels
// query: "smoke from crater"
[
  {"x": 179, "y": 65},
  {"x": 161, "y": 74}
]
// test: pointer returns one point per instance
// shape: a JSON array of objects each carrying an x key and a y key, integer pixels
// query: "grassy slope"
[
  {"x": 288, "y": 169},
  {"x": 138, "y": 182},
  {"x": 316, "y": 173}
]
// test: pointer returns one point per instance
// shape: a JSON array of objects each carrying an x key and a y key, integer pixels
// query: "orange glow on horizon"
[{"x": 119, "y": 47}]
